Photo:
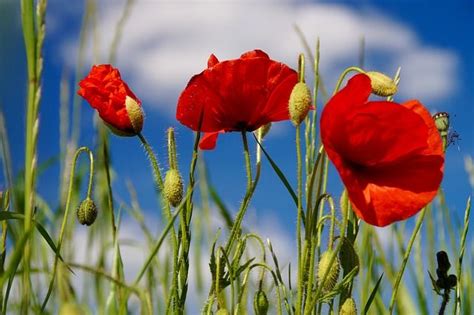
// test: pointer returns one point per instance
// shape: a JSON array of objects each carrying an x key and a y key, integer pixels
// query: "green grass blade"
[
  {"x": 280, "y": 174},
  {"x": 372, "y": 295},
  {"x": 7, "y": 215},
  {"x": 462, "y": 246},
  {"x": 221, "y": 207}
]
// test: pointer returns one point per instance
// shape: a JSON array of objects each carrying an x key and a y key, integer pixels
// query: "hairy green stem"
[
  {"x": 414, "y": 234},
  {"x": 66, "y": 214},
  {"x": 299, "y": 172}
]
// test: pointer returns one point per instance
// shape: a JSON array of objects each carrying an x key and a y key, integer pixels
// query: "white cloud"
[{"x": 166, "y": 42}]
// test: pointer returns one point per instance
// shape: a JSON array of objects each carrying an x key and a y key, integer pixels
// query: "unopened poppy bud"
[
  {"x": 442, "y": 122},
  {"x": 173, "y": 190},
  {"x": 87, "y": 212},
  {"x": 348, "y": 307},
  {"x": 382, "y": 85},
  {"x": 333, "y": 272},
  {"x": 299, "y": 103},
  {"x": 260, "y": 303},
  {"x": 135, "y": 113}
]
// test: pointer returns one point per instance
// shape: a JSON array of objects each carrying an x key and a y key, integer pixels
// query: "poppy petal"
[
  {"x": 208, "y": 141},
  {"x": 212, "y": 61},
  {"x": 237, "y": 95},
  {"x": 389, "y": 156}
]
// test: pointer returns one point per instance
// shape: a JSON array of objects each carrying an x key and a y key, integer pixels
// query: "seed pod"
[
  {"x": 348, "y": 307},
  {"x": 86, "y": 212},
  {"x": 333, "y": 272},
  {"x": 260, "y": 303},
  {"x": 173, "y": 190},
  {"x": 382, "y": 85},
  {"x": 299, "y": 103}
]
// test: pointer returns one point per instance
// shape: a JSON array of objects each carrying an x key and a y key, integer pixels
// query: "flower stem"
[
  {"x": 66, "y": 213},
  {"x": 186, "y": 216},
  {"x": 419, "y": 222},
  {"x": 299, "y": 172},
  {"x": 445, "y": 301},
  {"x": 167, "y": 211}
]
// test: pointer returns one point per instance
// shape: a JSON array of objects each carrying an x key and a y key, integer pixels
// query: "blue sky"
[{"x": 166, "y": 42}]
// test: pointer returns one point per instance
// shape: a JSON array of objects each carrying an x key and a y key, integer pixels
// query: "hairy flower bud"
[
  {"x": 135, "y": 113},
  {"x": 299, "y": 103},
  {"x": 260, "y": 303},
  {"x": 348, "y": 307},
  {"x": 333, "y": 270},
  {"x": 382, "y": 85},
  {"x": 86, "y": 212},
  {"x": 173, "y": 190}
]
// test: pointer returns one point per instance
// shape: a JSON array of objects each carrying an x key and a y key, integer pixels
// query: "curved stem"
[
  {"x": 343, "y": 75},
  {"x": 154, "y": 162},
  {"x": 66, "y": 213},
  {"x": 315, "y": 297}
]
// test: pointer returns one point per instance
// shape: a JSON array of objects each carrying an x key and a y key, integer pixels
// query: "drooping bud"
[
  {"x": 135, "y": 113},
  {"x": 299, "y": 103},
  {"x": 333, "y": 270},
  {"x": 348, "y": 307},
  {"x": 260, "y": 303},
  {"x": 86, "y": 212},
  {"x": 382, "y": 85},
  {"x": 173, "y": 187}
]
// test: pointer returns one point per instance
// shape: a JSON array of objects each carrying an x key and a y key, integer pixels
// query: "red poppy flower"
[
  {"x": 105, "y": 91},
  {"x": 389, "y": 156},
  {"x": 236, "y": 95}
]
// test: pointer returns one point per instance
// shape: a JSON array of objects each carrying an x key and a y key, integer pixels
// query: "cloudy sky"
[{"x": 165, "y": 42}]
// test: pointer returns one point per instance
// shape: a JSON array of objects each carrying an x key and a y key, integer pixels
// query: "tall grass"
[{"x": 385, "y": 271}]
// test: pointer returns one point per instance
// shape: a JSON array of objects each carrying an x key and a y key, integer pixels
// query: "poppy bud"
[
  {"x": 173, "y": 187},
  {"x": 452, "y": 281},
  {"x": 333, "y": 272},
  {"x": 135, "y": 113},
  {"x": 260, "y": 303},
  {"x": 299, "y": 103},
  {"x": 382, "y": 85},
  {"x": 348, "y": 307},
  {"x": 86, "y": 212}
]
